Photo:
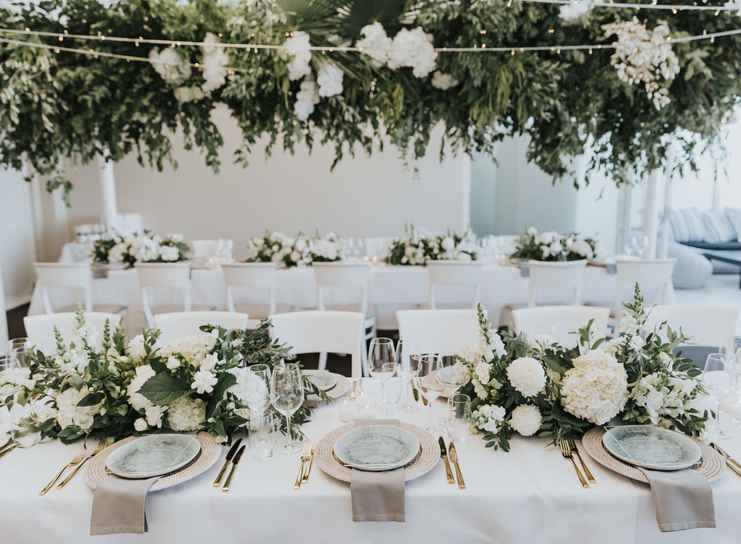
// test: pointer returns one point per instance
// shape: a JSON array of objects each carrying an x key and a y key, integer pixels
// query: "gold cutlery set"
[
  {"x": 731, "y": 463},
  {"x": 450, "y": 457},
  {"x": 7, "y": 448},
  {"x": 306, "y": 462},
  {"x": 233, "y": 457},
  {"x": 71, "y": 469},
  {"x": 569, "y": 450}
]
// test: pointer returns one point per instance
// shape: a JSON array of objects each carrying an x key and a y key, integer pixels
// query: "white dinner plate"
[
  {"x": 377, "y": 448},
  {"x": 153, "y": 455},
  {"x": 652, "y": 447},
  {"x": 323, "y": 379}
]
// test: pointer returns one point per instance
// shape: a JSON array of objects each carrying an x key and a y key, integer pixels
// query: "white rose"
[
  {"x": 526, "y": 419},
  {"x": 140, "y": 425},
  {"x": 173, "y": 363}
]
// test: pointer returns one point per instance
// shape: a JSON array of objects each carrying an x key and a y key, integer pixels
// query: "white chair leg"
[
  {"x": 230, "y": 300},
  {"x": 323, "y": 360},
  {"x": 147, "y": 309}
]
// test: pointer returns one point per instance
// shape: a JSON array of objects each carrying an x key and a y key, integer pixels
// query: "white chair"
[
  {"x": 446, "y": 332},
  {"x": 562, "y": 323},
  {"x": 454, "y": 274},
  {"x": 40, "y": 328},
  {"x": 345, "y": 278},
  {"x": 654, "y": 276},
  {"x": 161, "y": 276},
  {"x": 179, "y": 324},
  {"x": 563, "y": 276},
  {"x": 322, "y": 332},
  {"x": 74, "y": 277},
  {"x": 712, "y": 325},
  {"x": 251, "y": 278}
]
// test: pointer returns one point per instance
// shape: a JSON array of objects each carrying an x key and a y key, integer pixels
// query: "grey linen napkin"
[
  {"x": 377, "y": 496},
  {"x": 683, "y": 499},
  {"x": 119, "y": 506}
]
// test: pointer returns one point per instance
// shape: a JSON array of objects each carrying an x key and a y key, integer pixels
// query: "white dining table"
[
  {"x": 528, "y": 495},
  {"x": 391, "y": 288}
]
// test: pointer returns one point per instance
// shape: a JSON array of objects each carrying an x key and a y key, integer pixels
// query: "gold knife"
[
  {"x": 444, "y": 455},
  {"x": 454, "y": 459},
  {"x": 730, "y": 461},
  {"x": 7, "y": 449},
  {"x": 228, "y": 482},
  {"x": 229, "y": 456},
  {"x": 307, "y": 472},
  {"x": 300, "y": 475}
]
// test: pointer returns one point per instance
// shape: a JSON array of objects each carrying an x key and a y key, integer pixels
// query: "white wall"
[
  {"x": 17, "y": 239},
  {"x": 373, "y": 196}
]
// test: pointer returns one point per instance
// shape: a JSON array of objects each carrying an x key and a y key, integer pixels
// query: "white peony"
[
  {"x": 596, "y": 389},
  {"x": 575, "y": 9},
  {"x": 527, "y": 376},
  {"x": 186, "y": 414},
  {"x": 413, "y": 48},
  {"x": 526, "y": 419},
  {"x": 306, "y": 99},
  {"x": 203, "y": 381},
  {"x": 170, "y": 65},
  {"x": 329, "y": 79},
  {"x": 297, "y": 48},
  {"x": 443, "y": 81},
  {"x": 215, "y": 63},
  {"x": 375, "y": 43}
]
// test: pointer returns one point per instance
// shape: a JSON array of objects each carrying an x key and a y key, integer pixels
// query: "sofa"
[{"x": 715, "y": 231}]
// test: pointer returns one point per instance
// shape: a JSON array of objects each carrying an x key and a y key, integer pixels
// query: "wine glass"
[
  {"x": 6, "y": 362},
  {"x": 718, "y": 377},
  {"x": 17, "y": 350},
  {"x": 287, "y": 396},
  {"x": 382, "y": 361},
  {"x": 428, "y": 365},
  {"x": 459, "y": 413}
]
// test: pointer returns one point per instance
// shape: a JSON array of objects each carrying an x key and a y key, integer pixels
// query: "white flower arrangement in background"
[
  {"x": 443, "y": 81},
  {"x": 553, "y": 246},
  {"x": 306, "y": 98},
  {"x": 574, "y": 10},
  {"x": 410, "y": 48},
  {"x": 329, "y": 79},
  {"x": 326, "y": 249},
  {"x": 644, "y": 57},
  {"x": 215, "y": 64},
  {"x": 297, "y": 49},
  {"x": 415, "y": 248},
  {"x": 173, "y": 67},
  {"x": 140, "y": 247},
  {"x": 375, "y": 43},
  {"x": 276, "y": 247}
]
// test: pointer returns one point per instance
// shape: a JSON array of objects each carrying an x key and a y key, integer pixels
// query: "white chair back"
[
  {"x": 68, "y": 276},
  {"x": 154, "y": 276},
  {"x": 461, "y": 274},
  {"x": 705, "y": 324},
  {"x": 345, "y": 276},
  {"x": 563, "y": 276},
  {"x": 40, "y": 328},
  {"x": 562, "y": 323},
  {"x": 654, "y": 276},
  {"x": 322, "y": 332},
  {"x": 180, "y": 324},
  {"x": 446, "y": 332},
  {"x": 252, "y": 278}
]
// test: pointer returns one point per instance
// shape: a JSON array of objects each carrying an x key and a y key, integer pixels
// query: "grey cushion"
[
  {"x": 717, "y": 226},
  {"x": 692, "y": 270},
  {"x": 720, "y": 246},
  {"x": 679, "y": 227}
]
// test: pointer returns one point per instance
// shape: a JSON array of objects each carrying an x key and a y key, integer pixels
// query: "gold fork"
[
  {"x": 308, "y": 466},
  {"x": 101, "y": 445},
  {"x": 76, "y": 460},
  {"x": 566, "y": 452},
  {"x": 301, "y": 467},
  {"x": 572, "y": 446}
]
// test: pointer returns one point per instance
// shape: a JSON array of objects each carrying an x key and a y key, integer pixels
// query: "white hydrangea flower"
[
  {"x": 306, "y": 99},
  {"x": 526, "y": 419},
  {"x": 596, "y": 389},
  {"x": 413, "y": 48},
  {"x": 215, "y": 63},
  {"x": 443, "y": 81},
  {"x": 297, "y": 47},
  {"x": 329, "y": 79},
  {"x": 375, "y": 43},
  {"x": 186, "y": 414},
  {"x": 575, "y": 9},
  {"x": 170, "y": 65},
  {"x": 527, "y": 376}
]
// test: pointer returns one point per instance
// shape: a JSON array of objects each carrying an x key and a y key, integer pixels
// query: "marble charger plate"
[
  {"x": 652, "y": 447},
  {"x": 377, "y": 448},
  {"x": 710, "y": 466},
  {"x": 153, "y": 455},
  {"x": 210, "y": 453},
  {"x": 425, "y": 460},
  {"x": 342, "y": 386}
]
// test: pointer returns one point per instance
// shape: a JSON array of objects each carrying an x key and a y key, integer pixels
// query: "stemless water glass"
[
  {"x": 382, "y": 361},
  {"x": 718, "y": 377},
  {"x": 287, "y": 396},
  {"x": 18, "y": 348},
  {"x": 459, "y": 413}
]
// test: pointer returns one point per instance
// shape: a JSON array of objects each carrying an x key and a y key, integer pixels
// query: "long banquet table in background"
[
  {"x": 528, "y": 495},
  {"x": 392, "y": 287}
]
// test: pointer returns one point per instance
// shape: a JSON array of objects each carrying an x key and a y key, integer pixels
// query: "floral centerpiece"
[
  {"x": 415, "y": 249},
  {"x": 545, "y": 388},
  {"x": 552, "y": 246},
  {"x": 140, "y": 247},
  {"x": 327, "y": 249},
  {"x": 195, "y": 383},
  {"x": 276, "y": 247}
]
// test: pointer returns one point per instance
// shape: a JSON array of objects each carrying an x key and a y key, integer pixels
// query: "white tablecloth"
[
  {"x": 528, "y": 495},
  {"x": 392, "y": 287}
]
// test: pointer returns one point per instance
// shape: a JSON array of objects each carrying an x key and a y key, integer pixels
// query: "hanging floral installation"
[{"x": 82, "y": 79}]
